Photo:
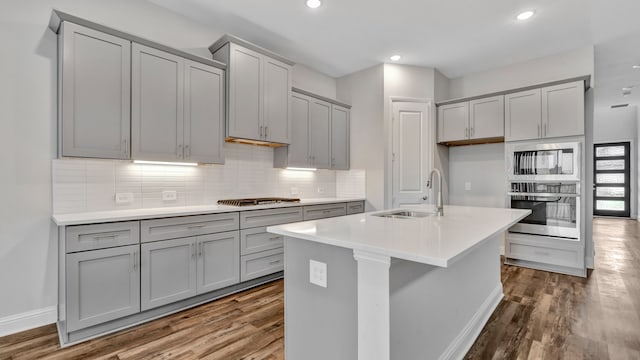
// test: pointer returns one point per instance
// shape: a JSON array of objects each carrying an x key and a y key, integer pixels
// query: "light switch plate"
[
  {"x": 318, "y": 273},
  {"x": 320, "y": 190},
  {"x": 294, "y": 191},
  {"x": 169, "y": 195},
  {"x": 467, "y": 186},
  {"x": 124, "y": 198}
]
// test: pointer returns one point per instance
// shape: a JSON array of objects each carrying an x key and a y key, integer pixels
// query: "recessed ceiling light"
[
  {"x": 525, "y": 15},
  {"x": 314, "y": 4},
  {"x": 636, "y": 66},
  {"x": 395, "y": 57}
]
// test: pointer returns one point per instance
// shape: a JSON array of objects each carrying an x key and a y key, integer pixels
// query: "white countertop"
[
  {"x": 430, "y": 240},
  {"x": 141, "y": 214}
]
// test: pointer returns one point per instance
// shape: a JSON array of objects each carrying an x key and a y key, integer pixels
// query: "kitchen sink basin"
[{"x": 403, "y": 214}]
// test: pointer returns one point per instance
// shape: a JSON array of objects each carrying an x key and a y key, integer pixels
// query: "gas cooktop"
[{"x": 256, "y": 201}]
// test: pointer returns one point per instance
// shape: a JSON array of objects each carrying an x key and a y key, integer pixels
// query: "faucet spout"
[{"x": 439, "y": 206}]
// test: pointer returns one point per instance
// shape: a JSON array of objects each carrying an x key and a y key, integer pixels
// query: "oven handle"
[{"x": 542, "y": 194}]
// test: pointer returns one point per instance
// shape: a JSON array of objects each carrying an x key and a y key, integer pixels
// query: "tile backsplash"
[{"x": 90, "y": 184}]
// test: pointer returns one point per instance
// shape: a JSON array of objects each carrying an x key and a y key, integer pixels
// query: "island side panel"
[
  {"x": 437, "y": 313},
  {"x": 320, "y": 323}
]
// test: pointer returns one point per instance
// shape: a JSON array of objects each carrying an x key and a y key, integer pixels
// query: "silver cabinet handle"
[
  {"x": 187, "y": 151},
  {"x": 473, "y": 131},
  {"x": 466, "y": 132},
  {"x": 135, "y": 260},
  {"x": 274, "y": 262},
  {"x": 101, "y": 237},
  {"x": 180, "y": 153},
  {"x": 274, "y": 238},
  {"x": 539, "y": 134},
  {"x": 193, "y": 250},
  {"x": 201, "y": 254},
  {"x": 545, "y": 130},
  {"x": 196, "y": 226},
  {"x": 125, "y": 146},
  {"x": 266, "y": 132}
]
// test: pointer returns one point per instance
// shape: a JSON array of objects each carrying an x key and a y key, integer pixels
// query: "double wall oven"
[{"x": 545, "y": 178}]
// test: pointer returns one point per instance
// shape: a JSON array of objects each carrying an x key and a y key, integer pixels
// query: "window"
[{"x": 612, "y": 191}]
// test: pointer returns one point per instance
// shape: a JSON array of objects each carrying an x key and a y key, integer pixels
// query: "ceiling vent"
[{"x": 619, "y": 106}]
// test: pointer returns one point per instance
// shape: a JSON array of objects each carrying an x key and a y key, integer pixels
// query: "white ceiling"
[
  {"x": 613, "y": 71},
  {"x": 458, "y": 37}
]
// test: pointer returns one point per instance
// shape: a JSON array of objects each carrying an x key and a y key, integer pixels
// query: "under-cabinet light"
[
  {"x": 301, "y": 169},
  {"x": 395, "y": 58},
  {"x": 164, "y": 163}
]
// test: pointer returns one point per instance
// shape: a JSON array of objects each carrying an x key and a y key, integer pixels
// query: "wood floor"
[{"x": 543, "y": 316}]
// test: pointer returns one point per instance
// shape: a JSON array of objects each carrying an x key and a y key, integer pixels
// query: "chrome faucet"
[{"x": 439, "y": 207}]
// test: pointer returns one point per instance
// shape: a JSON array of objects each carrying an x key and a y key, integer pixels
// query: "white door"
[{"x": 412, "y": 152}]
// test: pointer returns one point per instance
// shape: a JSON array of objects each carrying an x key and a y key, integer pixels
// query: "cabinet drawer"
[
  {"x": 314, "y": 212},
  {"x": 258, "y": 239},
  {"x": 171, "y": 228},
  {"x": 355, "y": 207},
  {"x": 562, "y": 257},
  {"x": 101, "y": 236},
  {"x": 256, "y": 218},
  {"x": 261, "y": 264}
]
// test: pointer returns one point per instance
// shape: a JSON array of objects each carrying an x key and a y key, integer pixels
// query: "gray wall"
[
  {"x": 614, "y": 125},
  {"x": 483, "y": 166},
  {"x": 364, "y": 91}
]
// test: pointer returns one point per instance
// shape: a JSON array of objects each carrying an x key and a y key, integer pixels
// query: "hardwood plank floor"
[{"x": 543, "y": 316}]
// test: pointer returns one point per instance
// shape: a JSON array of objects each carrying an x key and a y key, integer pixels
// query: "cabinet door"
[
  {"x": 102, "y": 285},
  {"x": 245, "y": 93},
  {"x": 339, "y": 138},
  {"x": 95, "y": 99},
  {"x": 156, "y": 104},
  {"x": 319, "y": 131},
  {"x": 218, "y": 261},
  {"x": 277, "y": 101},
  {"x": 168, "y": 271},
  {"x": 453, "y": 122},
  {"x": 523, "y": 115},
  {"x": 486, "y": 117},
  {"x": 563, "y": 110},
  {"x": 203, "y": 113},
  {"x": 298, "y": 149}
]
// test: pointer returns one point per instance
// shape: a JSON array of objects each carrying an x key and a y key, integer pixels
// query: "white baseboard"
[
  {"x": 27, "y": 320},
  {"x": 463, "y": 342}
]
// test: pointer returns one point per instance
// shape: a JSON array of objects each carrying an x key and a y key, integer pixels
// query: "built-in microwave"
[{"x": 544, "y": 162}]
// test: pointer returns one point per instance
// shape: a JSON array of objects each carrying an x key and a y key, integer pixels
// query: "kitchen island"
[{"x": 392, "y": 287}]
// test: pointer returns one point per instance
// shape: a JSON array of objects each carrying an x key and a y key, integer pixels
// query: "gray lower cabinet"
[
  {"x": 218, "y": 262},
  {"x": 95, "y": 75},
  {"x": 168, "y": 271},
  {"x": 177, "y": 269},
  {"x": 258, "y": 239},
  {"x": 314, "y": 212},
  {"x": 102, "y": 285},
  {"x": 355, "y": 207},
  {"x": 261, "y": 264}
]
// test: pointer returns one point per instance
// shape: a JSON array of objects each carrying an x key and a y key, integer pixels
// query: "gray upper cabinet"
[
  {"x": 471, "y": 120},
  {"x": 95, "y": 93},
  {"x": 552, "y": 111},
  {"x": 320, "y": 131},
  {"x": 177, "y": 108},
  {"x": 339, "y": 137},
  {"x": 259, "y": 92},
  {"x": 102, "y": 285},
  {"x": 204, "y": 113},
  {"x": 168, "y": 271},
  {"x": 157, "y": 104},
  {"x": 486, "y": 118},
  {"x": 523, "y": 114},
  {"x": 563, "y": 109},
  {"x": 453, "y": 122},
  {"x": 218, "y": 262}
]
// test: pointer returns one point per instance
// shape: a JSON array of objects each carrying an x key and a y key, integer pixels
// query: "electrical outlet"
[
  {"x": 169, "y": 195},
  {"x": 467, "y": 186},
  {"x": 294, "y": 191},
  {"x": 318, "y": 273},
  {"x": 320, "y": 190},
  {"x": 124, "y": 198}
]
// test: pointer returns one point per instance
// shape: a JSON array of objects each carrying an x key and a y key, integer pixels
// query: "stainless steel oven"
[
  {"x": 544, "y": 162},
  {"x": 555, "y": 208}
]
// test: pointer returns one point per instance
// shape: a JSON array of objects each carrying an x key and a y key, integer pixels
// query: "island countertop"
[{"x": 431, "y": 240}]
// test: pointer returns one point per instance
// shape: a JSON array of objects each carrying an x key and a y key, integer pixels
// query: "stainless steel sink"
[{"x": 404, "y": 214}]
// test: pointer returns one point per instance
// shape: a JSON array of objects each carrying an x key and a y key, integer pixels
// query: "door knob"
[{"x": 425, "y": 197}]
